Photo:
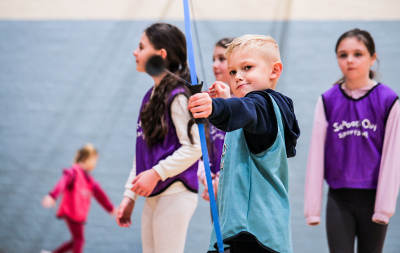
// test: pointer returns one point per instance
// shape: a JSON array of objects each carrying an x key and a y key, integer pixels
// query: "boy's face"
[{"x": 249, "y": 71}]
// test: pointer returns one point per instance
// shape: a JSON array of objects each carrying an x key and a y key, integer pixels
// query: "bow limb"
[{"x": 193, "y": 77}]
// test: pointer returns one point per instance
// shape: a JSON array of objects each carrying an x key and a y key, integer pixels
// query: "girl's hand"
[
  {"x": 381, "y": 222},
  {"x": 219, "y": 90},
  {"x": 114, "y": 212},
  {"x": 48, "y": 202},
  {"x": 200, "y": 105},
  {"x": 145, "y": 182},
  {"x": 205, "y": 195},
  {"x": 215, "y": 184},
  {"x": 215, "y": 180},
  {"x": 124, "y": 212}
]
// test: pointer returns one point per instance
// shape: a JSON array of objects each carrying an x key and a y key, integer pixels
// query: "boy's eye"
[
  {"x": 213, "y": 59},
  {"x": 221, "y": 59},
  {"x": 357, "y": 54},
  {"x": 232, "y": 73},
  {"x": 247, "y": 67},
  {"x": 342, "y": 55}
]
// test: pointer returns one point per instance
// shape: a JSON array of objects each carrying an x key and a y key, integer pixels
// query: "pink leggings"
[{"x": 77, "y": 241}]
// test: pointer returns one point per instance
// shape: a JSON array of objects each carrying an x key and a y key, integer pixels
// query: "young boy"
[{"x": 262, "y": 131}]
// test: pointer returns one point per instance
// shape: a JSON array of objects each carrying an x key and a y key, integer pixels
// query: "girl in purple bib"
[
  {"x": 167, "y": 147},
  {"x": 217, "y": 137},
  {"x": 355, "y": 145}
]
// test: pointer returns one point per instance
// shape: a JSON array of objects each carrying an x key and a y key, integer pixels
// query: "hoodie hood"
[{"x": 292, "y": 130}]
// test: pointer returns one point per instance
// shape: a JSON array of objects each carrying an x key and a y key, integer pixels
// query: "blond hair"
[
  {"x": 255, "y": 42},
  {"x": 84, "y": 153}
]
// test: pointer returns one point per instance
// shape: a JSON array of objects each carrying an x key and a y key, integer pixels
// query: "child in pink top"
[
  {"x": 77, "y": 186},
  {"x": 356, "y": 154}
]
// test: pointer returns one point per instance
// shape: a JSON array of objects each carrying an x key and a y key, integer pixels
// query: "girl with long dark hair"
[{"x": 167, "y": 147}]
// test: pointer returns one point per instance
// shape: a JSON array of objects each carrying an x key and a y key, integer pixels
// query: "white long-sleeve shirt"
[{"x": 182, "y": 158}]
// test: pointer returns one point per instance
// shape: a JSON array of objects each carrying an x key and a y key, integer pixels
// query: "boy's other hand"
[
  {"x": 124, "y": 212},
  {"x": 219, "y": 90},
  {"x": 48, "y": 202},
  {"x": 200, "y": 105}
]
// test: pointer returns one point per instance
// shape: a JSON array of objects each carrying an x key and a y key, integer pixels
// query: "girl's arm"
[
  {"x": 128, "y": 186},
  {"x": 201, "y": 173},
  {"x": 389, "y": 173},
  {"x": 59, "y": 188},
  {"x": 315, "y": 168},
  {"x": 188, "y": 153},
  {"x": 101, "y": 197},
  {"x": 127, "y": 205},
  {"x": 50, "y": 199}
]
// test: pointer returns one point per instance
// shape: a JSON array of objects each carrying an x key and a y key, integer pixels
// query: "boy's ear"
[
  {"x": 276, "y": 70},
  {"x": 163, "y": 53}
]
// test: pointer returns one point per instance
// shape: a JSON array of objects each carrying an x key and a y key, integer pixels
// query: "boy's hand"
[
  {"x": 124, "y": 212},
  {"x": 219, "y": 90},
  {"x": 48, "y": 202},
  {"x": 200, "y": 105},
  {"x": 145, "y": 182}
]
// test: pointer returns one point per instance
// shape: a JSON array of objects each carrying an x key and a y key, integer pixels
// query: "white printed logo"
[
  {"x": 215, "y": 134},
  {"x": 344, "y": 125},
  {"x": 139, "y": 132},
  {"x": 86, "y": 193}
]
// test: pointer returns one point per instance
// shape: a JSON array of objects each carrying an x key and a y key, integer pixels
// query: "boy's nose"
[{"x": 238, "y": 77}]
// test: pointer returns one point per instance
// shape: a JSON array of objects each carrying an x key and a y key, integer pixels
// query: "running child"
[
  {"x": 220, "y": 70},
  {"x": 76, "y": 187},
  {"x": 262, "y": 132},
  {"x": 355, "y": 146},
  {"x": 167, "y": 148}
]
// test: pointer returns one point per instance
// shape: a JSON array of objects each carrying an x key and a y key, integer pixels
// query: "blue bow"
[{"x": 200, "y": 124}]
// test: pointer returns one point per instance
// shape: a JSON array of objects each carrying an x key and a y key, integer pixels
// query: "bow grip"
[{"x": 196, "y": 88}]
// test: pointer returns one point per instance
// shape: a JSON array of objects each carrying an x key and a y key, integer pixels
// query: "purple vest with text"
[
  {"x": 147, "y": 157},
  {"x": 355, "y": 133}
]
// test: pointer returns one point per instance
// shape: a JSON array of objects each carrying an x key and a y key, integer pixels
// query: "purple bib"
[
  {"x": 147, "y": 157},
  {"x": 217, "y": 138},
  {"x": 355, "y": 133}
]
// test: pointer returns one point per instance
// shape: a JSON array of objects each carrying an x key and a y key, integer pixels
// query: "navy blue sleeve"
[{"x": 254, "y": 113}]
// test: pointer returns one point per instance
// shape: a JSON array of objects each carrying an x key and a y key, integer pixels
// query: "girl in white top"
[{"x": 167, "y": 149}]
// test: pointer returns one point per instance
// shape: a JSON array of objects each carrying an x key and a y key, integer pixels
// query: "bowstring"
[{"x": 203, "y": 72}]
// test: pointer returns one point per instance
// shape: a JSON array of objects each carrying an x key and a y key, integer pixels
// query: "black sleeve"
[{"x": 254, "y": 113}]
